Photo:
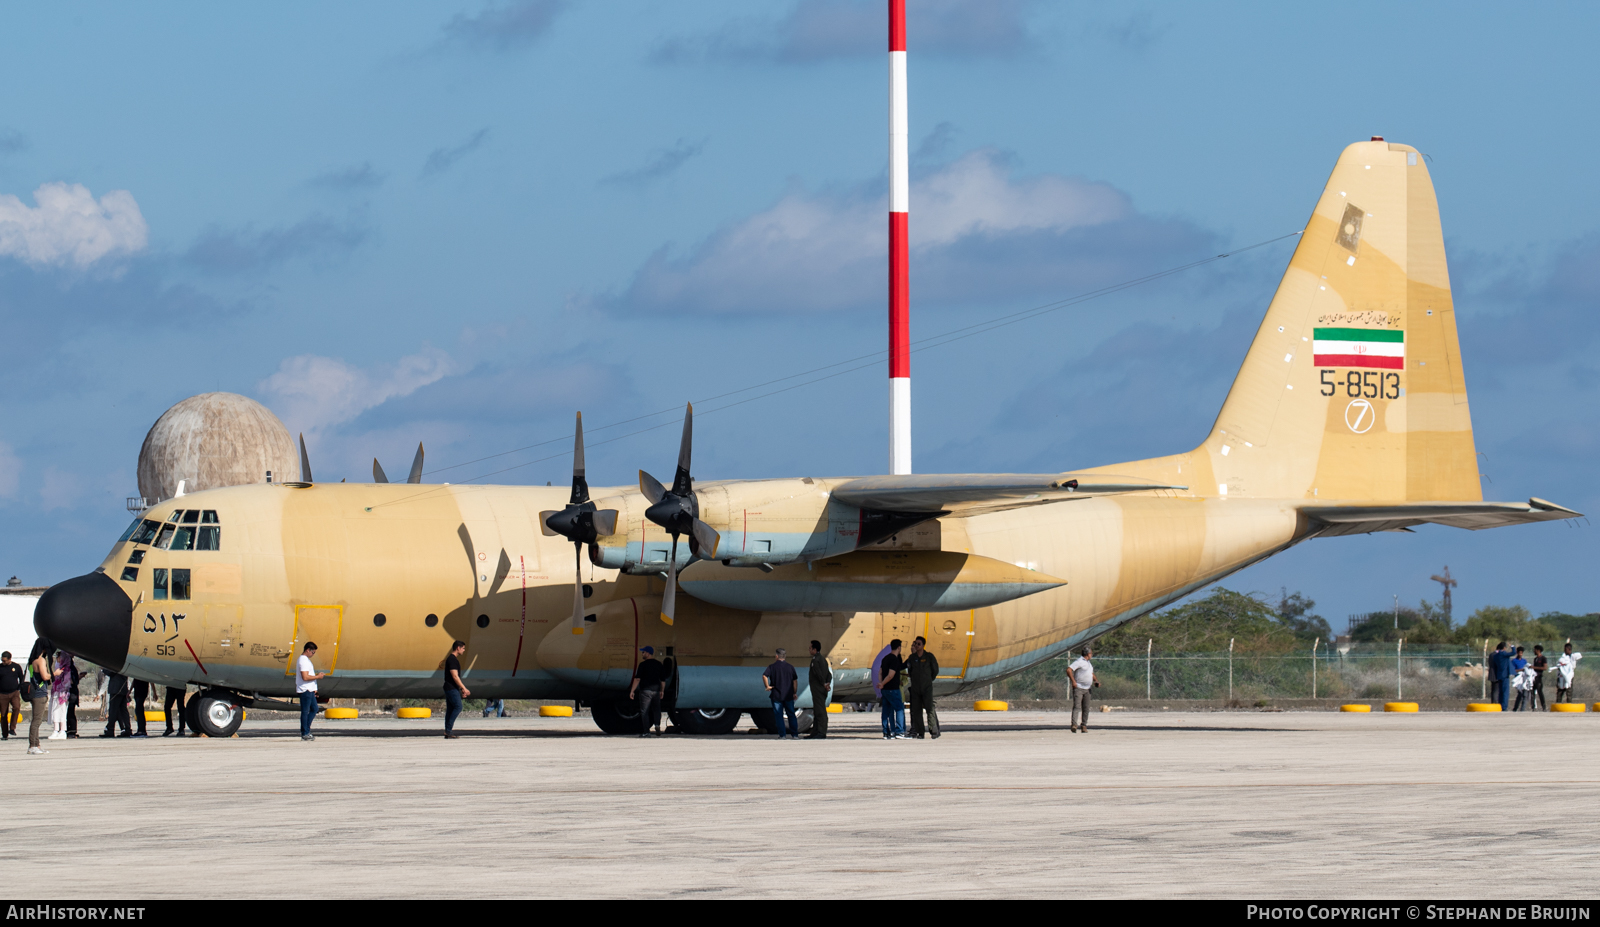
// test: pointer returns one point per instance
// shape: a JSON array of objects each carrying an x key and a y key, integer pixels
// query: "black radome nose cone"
[{"x": 89, "y": 616}]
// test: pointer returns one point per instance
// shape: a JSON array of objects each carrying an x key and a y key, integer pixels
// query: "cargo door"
[
  {"x": 221, "y": 632},
  {"x": 321, "y": 625}
]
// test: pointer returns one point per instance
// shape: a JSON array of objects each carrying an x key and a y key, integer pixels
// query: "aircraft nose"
[{"x": 89, "y": 616}]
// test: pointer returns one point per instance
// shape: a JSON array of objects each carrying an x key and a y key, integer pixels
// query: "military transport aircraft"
[{"x": 1349, "y": 416}]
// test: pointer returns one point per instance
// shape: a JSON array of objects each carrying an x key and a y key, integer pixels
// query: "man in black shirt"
[
  {"x": 923, "y": 668},
  {"x": 648, "y": 678},
  {"x": 894, "y": 708},
  {"x": 72, "y": 697},
  {"x": 117, "y": 696},
  {"x": 454, "y": 689},
  {"x": 783, "y": 684},
  {"x": 1540, "y": 663},
  {"x": 10, "y": 695}
]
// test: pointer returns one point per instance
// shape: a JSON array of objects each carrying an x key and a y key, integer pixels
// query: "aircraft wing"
[
  {"x": 1474, "y": 516},
  {"x": 970, "y": 493}
]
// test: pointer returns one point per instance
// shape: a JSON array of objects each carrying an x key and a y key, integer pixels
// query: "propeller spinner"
[
  {"x": 581, "y": 523},
  {"x": 678, "y": 510}
]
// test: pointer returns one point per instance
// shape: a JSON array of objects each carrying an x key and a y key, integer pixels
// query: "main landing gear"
[{"x": 621, "y": 716}]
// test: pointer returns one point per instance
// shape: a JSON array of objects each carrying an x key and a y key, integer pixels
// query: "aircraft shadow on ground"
[{"x": 531, "y": 733}]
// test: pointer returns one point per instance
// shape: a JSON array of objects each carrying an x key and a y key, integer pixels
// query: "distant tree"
[
  {"x": 1206, "y": 625},
  {"x": 1506, "y": 622},
  {"x": 1419, "y": 626},
  {"x": 1292, "y": 615},
  {"x": 1577, "y": 627}
]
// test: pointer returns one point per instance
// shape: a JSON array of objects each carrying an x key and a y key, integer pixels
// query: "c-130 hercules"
[{"x": 1348, "y": 416}]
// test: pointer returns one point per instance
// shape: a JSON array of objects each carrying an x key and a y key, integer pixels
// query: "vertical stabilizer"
[{"x": 1353, "y": 387}]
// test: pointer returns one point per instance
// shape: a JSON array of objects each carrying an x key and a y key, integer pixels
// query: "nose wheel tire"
[
  {"x": 616, "y": 717},
  {"x": 706, "y": 720},
  {"x": 216, "y": 717}
]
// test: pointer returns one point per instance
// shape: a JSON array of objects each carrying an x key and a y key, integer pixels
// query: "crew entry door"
[
  {"x": 319, "y": 624},
  {"x": 949, "y": 637}
]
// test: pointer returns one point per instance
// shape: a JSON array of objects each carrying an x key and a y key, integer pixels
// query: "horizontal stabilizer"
[
  {"x": 1474, "y": 516},
  {"x": 963, "y": 492}
]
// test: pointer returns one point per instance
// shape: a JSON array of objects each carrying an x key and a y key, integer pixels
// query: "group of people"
[
  {"x": 911, "y": 676},
  {"x": 49, "y": 682},
  {"x": 1510, "y": 671}
]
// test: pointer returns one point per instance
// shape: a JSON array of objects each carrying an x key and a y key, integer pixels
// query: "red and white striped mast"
[{"x": 899, "y": 254}]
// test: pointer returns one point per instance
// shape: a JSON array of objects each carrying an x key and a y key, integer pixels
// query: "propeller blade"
[
  {"x": 580, "y": 484},
  {"x": 305, "y": 462},
  {"x": 605, "y": 522},
  {"x": 378, "y": 476},
  {"x": 669, "y": 599},
  {"x": 416, "y": 466},
  {"x": 681, "y": 483},
  {"x": 577, "y": 589},
  {"x": 651, "y": 487},
  {"x": 707, "y": 538}
]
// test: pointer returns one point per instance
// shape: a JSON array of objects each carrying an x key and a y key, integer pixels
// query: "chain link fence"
[{"x": 1368, "y": 671}]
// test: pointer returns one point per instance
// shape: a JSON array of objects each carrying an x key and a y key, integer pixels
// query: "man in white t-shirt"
[
  {"x": 305, "y": 686},
  {"x": 1565, "y": 668},
  {"x": 1083, "y": 679}
]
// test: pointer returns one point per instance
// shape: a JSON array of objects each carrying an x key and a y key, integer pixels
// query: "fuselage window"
[
  {"x": 136, "y": 557},
  {"x": 183, "y": 539},
  {"x": 191, "y": 516},
  {"x": 158, "y": 583},
  {"x": 147, "y": 531},
  {"x": 131, "y": 529},
  {"x": 165, "y": 538},
  {"x": 210, "y": 538},
  {"x": 208, "y": 517},
  {"x": 379, "y": 619},
  {"x": 180, "y": 584},
  {"x": 130, "y": 574}
]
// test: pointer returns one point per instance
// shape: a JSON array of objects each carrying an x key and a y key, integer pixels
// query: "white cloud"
[
  {"x": 311, "y": 393},
  {"x": 822, "y": 252},
  {"x": 68, "y": 226}
]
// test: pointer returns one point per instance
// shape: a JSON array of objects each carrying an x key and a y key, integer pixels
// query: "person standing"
[
  {"x": 141, "y": 694},
  {"x": 894, "y": 709},
  {"x": 454, "y": 689},
  {"x": 649, "y": 678},
  {"x": 1520, "y": 679},
  {"x": 1536, "y": 701},
  {"x": 922, "y": 668},
  {"x": 1083, "y": 680},
  {"x": 1500, "y": 676},
  {"x": 38, "y": 691},
  {"x": 174, "y": 696},
  {"x": 60, "y": 696},
  {"x": 76, "y": 677},
  {"x": 11, "y": 679},
  {"x": 783, "y": 685},
  {"x": 821, "y": 682},
  {"x": 117, "y": 701},
  {"x": 1566, "y": 666},
  {"x": 305, "y": 686}
]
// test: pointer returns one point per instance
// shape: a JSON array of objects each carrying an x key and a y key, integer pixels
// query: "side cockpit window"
[
  {"x": 164, "y": 539},
  {"x": 131, "y": 529},
  {"x": 146, "y": 531},
  {"x": 182, "y": 539},
  {"x": 180, "y": 584},
  {"x": 191, "y": 516},
  {"x": 158, "y": 583},
  {"x": 210, "y": 538},
  {"x": 208, "y": 517}
]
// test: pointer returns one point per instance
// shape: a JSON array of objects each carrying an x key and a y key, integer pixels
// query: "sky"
[{"x": 458, "y": 223}]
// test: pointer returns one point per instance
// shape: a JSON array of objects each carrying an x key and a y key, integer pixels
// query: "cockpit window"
[
  {"x": 175, "y": 515},
  {"x": 130, "y": 574},
  {"x": 147, "y": 531},
  {"x": 180, "y": 584},
  {"x": 182, "y": 539},
  {"x": 131, "y": 529},
  {"x": 191, "y": 516},
  {"x": 158, "y": 583},
  {"x": 136, "y": 557},
  {"x": 208, "y": 517},
  {"x": 165, "y": 538},
  {"x": 210, "y": 538}
]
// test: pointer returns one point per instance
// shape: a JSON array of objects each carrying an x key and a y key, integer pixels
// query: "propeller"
[
  {"x": 678, "y": 510},
  {"x": 378, "y": 476},
  {"x": 305, "y": 461},
  {"x": 580, "y": 522}
]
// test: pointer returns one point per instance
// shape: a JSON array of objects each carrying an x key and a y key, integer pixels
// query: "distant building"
[
  {"x": 16, "y": 617},
  {"x": 213, "y": 440}
]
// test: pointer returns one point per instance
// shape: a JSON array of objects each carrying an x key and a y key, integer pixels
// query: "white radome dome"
[{"x": 214, "y": 440}]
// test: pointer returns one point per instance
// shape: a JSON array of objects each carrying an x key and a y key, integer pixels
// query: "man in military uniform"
[
  {"x": 922, "y": 668},
  {"x": 821, "y": 686}
]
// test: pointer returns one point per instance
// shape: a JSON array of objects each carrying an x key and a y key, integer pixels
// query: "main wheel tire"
[
  {"x": 217, "y": 716},
  {"x": 803, "y": 719},
  {"x": 706, "y": 720},
  {"x": 766, "y": 719},
  {"x": 620, "y": 716}
]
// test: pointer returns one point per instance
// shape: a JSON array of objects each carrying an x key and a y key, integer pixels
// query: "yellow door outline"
[
  {"x": 966, "y": 660},
  {"x": 322, "y": 647}
]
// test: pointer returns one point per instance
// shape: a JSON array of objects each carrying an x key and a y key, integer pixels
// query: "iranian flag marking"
[{"x": 1359, "y": 347}]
